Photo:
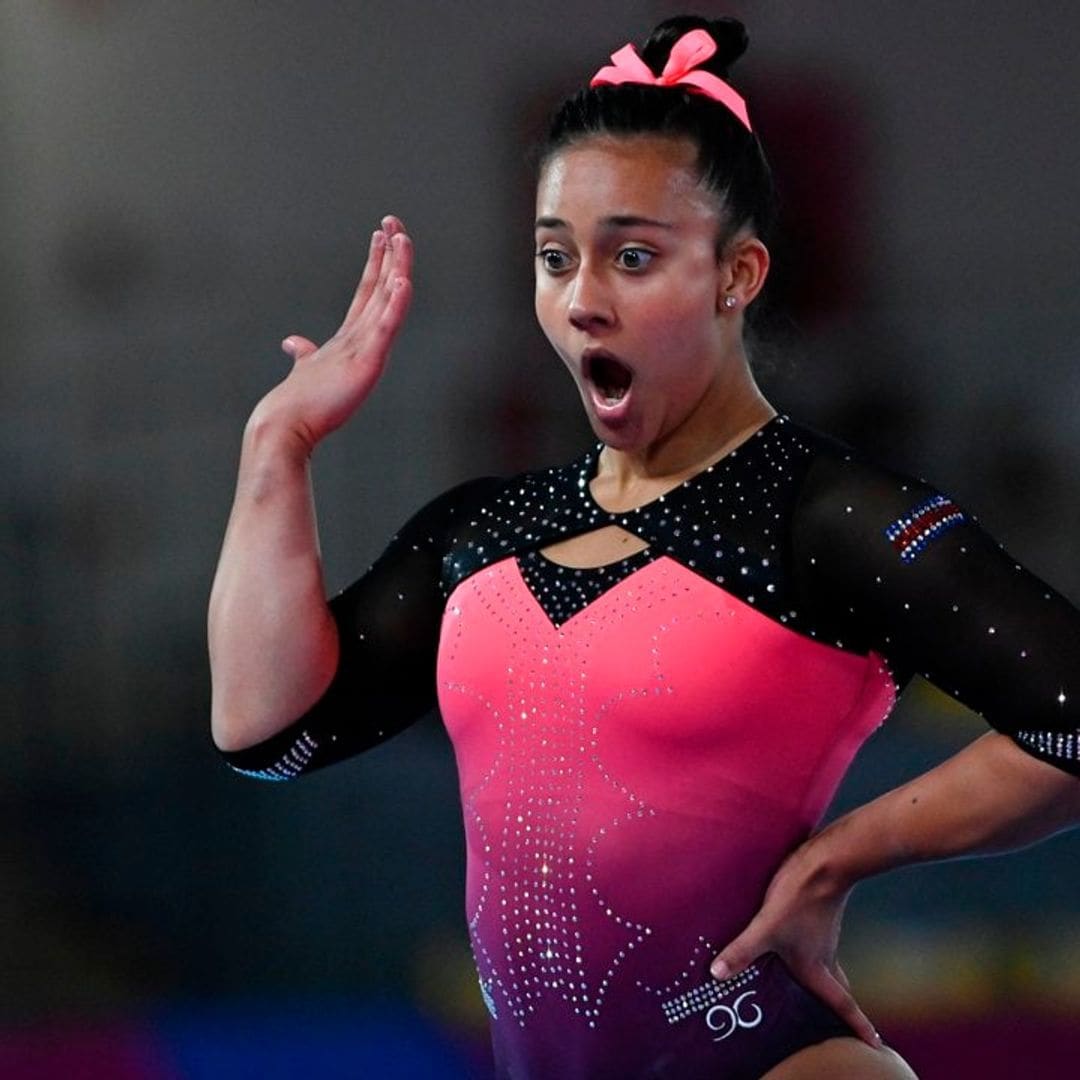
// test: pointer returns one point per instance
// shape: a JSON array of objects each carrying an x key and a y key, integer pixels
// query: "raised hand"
[
  {"x": 328, "y": 383},
  {"x": 799, "y": 920}
]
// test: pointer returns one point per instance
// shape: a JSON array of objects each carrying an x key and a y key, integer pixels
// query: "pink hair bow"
[{"x": 693, "y": 48}]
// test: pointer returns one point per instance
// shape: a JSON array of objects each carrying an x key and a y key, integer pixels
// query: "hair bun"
[{"x": 728, "y": 33}]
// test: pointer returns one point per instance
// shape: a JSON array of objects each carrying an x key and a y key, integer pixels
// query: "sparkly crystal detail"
[
  {"x": 724, "y": 523},
  {"x": 581, "y": 812},
  {"x": 1057, "y": 744},
  {"x": 703, "y": 997},
  {"x": 912, "y": 533},
  {"x": 538, "y": 873},
  {"x": 489, "y": 1001},
  {"x": 601, "y": 715},
  {"x": 291, "y": 764},
  {"x": 564, "y": 591}
]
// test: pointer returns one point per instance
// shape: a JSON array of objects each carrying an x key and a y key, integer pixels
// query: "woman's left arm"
[
  {"x": 893, "y": 567},
  {"x": 990, "y": 797}
]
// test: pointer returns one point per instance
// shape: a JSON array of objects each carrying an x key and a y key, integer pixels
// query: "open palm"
[{"x": 328, "y": 383}]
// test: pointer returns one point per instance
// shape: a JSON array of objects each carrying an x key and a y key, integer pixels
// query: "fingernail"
[{"x": 720, "y": 970}]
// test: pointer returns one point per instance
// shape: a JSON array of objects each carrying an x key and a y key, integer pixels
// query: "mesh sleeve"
[
  {"x": 388, "y": 628},
  {"x": 892, "y": 565}
]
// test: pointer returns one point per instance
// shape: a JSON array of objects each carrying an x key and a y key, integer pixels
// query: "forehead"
[{"x": 607, "y": 175}]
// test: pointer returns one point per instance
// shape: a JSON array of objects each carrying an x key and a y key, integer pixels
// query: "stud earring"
[{"x": 730, "y": 302}]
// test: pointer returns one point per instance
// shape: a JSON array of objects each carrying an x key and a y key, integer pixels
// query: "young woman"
[{"x": 657, "y": 662}]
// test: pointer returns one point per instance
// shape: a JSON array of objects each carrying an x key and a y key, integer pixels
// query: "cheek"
[
  {"x": 539, "y": 303},
  {"x": 683, "y": 314},
  {"x": 545, "y": 304}
]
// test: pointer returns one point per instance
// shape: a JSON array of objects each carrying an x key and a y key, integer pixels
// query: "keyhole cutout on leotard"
[{"x": 601, "y": 547}]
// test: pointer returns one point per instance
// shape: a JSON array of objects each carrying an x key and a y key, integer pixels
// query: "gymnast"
[{"x": 655, "y": 663}]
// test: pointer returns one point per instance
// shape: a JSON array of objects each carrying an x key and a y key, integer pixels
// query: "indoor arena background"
[{"x": 181, "y": 185}]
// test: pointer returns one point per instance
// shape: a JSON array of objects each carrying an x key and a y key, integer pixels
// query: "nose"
[{"x": 590, "y": 304}]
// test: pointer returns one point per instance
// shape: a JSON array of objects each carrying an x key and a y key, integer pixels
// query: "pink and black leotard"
[{"x": 640, "y": 745}]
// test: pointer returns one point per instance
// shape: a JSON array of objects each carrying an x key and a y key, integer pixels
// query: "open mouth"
[{"x": 611, "y": 377}]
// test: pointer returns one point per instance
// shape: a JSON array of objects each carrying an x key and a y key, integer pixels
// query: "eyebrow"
[{"x": 615, "y": 221}]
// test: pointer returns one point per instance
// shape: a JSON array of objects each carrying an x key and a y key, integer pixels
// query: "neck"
[{"x": 727, "y": 415}]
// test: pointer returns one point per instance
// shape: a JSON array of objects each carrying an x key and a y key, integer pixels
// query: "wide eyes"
[
  {"x": 553, "y": 260},
  {"x": 632, "y": 259}
]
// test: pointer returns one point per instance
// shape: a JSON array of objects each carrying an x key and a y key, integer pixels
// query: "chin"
[{"x": 619, "y": 437}]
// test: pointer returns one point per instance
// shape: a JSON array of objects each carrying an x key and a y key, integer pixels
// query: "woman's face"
[{"x": 628, "y": 287}]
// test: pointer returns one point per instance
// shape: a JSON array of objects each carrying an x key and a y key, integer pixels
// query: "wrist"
[
  {"x": 272, "y": 437},
  {"x": 828, "y": 866},
  {"x": 273, "y": 456}
]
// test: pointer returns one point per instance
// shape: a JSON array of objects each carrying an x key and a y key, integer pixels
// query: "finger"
[
  {"x": 383, "y": 278},
  {"x": 392, "y": 225},
  {"x": 396, "y": 267},
  {"x": 738, "y": 955},
  {"x": 401, "y": 258},
  {"x": 397, "y": 305},
  {"x": 370, "y": 277},
  {"x": 822, "y": 982},
  {"x": 299, "y": 348}
]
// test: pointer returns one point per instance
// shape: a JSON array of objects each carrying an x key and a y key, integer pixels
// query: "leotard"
[{"x": 639, "y": 745}]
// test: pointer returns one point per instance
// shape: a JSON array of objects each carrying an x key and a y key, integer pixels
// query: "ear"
[{"x": 744, "y": 268}]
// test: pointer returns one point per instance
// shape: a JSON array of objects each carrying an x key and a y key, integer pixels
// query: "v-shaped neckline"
[{"x": 564, "y": 592}]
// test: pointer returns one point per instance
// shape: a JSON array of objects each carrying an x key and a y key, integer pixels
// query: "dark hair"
[{"x": 730, "y": 159}]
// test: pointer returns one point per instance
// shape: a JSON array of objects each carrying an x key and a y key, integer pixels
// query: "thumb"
[
  {"x": 737, "y": 956},
  {"x": 299, "y": 348}
]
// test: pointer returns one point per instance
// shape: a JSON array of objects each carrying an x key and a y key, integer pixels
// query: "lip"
[{"x": 592, "y": 352}]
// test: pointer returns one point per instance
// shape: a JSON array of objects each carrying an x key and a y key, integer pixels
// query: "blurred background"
[{"x": 182, "y": 185}]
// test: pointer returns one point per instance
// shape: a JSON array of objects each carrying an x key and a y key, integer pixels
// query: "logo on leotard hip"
[{"x": 727, "y": 1019}]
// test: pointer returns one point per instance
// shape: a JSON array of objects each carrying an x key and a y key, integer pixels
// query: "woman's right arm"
[{"x": 273, "y": 641}]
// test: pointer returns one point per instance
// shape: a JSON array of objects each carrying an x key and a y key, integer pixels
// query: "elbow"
[
  {"x": 1045, "y": 790},
  {"x": 248, "y": 710}
]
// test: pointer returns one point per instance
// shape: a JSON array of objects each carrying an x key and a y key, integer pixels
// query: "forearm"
[
  {"x": 990, "y": 797},
  {"x": 273, "y": 643}
]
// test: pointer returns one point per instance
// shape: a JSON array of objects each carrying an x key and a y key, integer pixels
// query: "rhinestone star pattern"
[
  {"x": 789, "y": 522},
  {"x": 639, "y": 744},
  {"x": 542, "y": 808},
  {"x": 592, "y": 753}
]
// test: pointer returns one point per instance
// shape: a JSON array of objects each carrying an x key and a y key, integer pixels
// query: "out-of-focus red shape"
[
  {"x": 999, "y": 1045},
  {"x": 56, "y": 1051},
  {"x": 84, "y": 9},
  {"x": 816, "y": 130}
]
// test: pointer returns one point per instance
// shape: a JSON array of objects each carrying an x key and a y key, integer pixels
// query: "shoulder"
[
  {"x": 439, "y": 514},
  {"x": 862, "y": 530},
  {"x": 517, "y": 496},
  {"x": 865, "y": 541},
  {"x": 532, "y": 496},
  {"x": 848, "y": 497},
  {"x": 494, "y": 515}
]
